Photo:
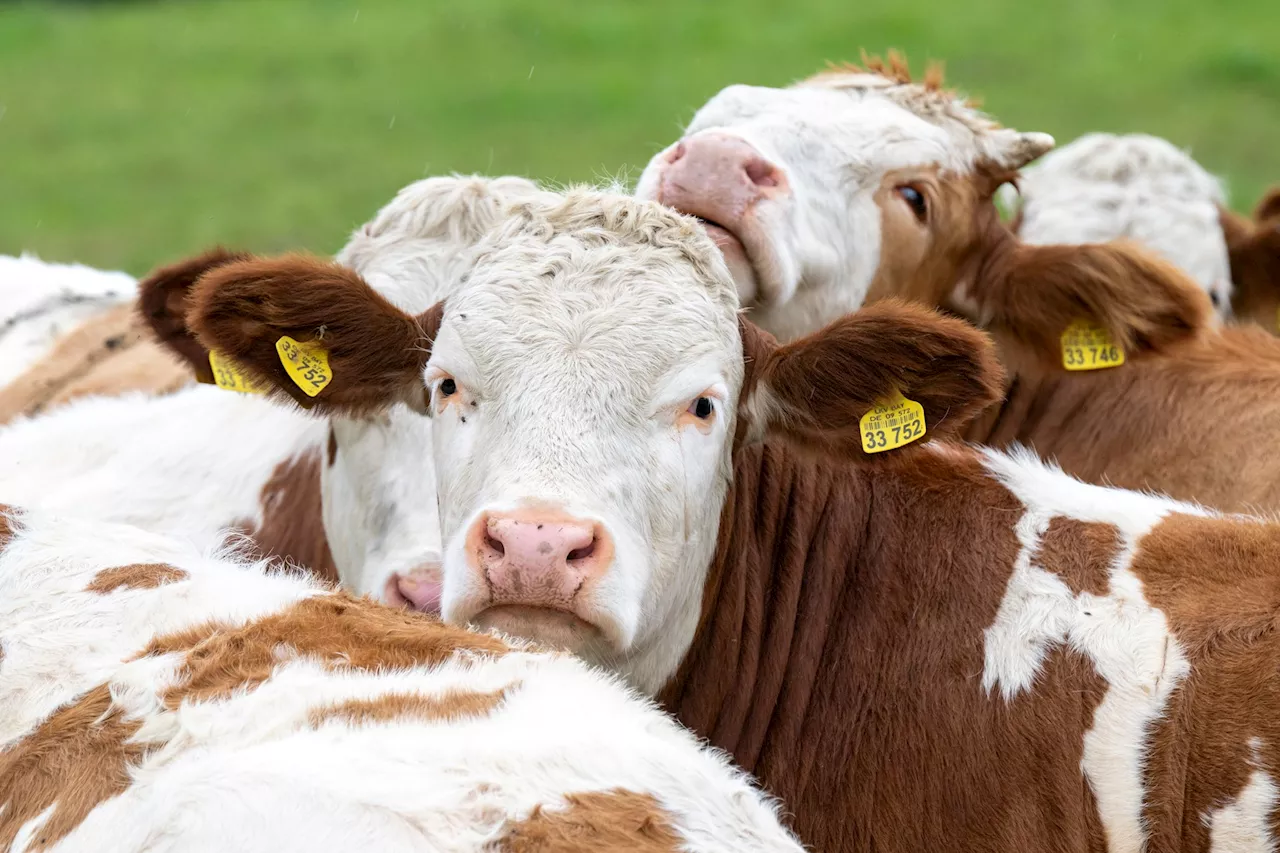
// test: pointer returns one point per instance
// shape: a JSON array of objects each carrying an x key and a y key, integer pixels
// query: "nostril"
[
  {"x": 676, "y": 153},
  {"x": 494, "y": 544},
  {"x": 584, "y": 552},
  {"x": 762, "y": 173}
]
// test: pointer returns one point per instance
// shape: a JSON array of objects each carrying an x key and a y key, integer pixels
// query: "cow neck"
[
  {"x": 840, "y": 658},
  {"x": 291, "y": 525}
]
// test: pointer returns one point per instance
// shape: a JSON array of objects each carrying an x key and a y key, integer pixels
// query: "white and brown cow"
[
  {"x": 858, "y": 185},
  {"x": 157, "y": 698},
  {"x": 1106, "y": 186},
  {"x": 939, "y": 648},
  {"x": 203, "y": 460}
]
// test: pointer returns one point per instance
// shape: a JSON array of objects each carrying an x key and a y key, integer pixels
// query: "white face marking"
[
  {"x": 381, "y": 519},
  {"x": 1127, "y": 640},
  {"x": 813, "y": 242},
  {"x": 1102, "y": 187},
  {"x": 575, "y": 359},
  {"x": 1244, "y": 824}
]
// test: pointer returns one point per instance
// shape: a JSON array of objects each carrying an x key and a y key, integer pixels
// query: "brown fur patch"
[
  {"x": 7, "y": 514},
  {"x": 615, "y": 820},
  {"x": 1137, "y": 425},
  {"x": 292, "y": 526},
  {"x": 449, "y": 706},
  {"x": 1215, "y": 581},
  {"x": 77, "y": 758},
  {"x": 841, "y": 660},
  {"x": 376, "y": 351},
  {"x": 136, "y": 576},
  {"x": 1079, "y": 552},
  {"x": 818, "y": 388},
  {"x": 107, "y": 355},
  {"x": 343, "y": 631},
  {"x": 162, "y": 305}
]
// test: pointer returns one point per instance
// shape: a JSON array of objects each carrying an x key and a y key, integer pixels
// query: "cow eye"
[
  {"x": 915, "y": 199},
  {"x": 448, "y": 388},
  {"x": 702, "y": 408}
]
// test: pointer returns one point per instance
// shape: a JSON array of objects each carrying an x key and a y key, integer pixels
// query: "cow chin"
[{"x": 556, "y": 629}]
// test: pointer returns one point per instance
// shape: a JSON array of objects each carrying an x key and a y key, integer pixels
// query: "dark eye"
[
  {"x": 915, "y": 198},
  {"x": 448, "y": 388},
  {"x": 1213, "y": 297},
  {"x": 702, "y": 408}
]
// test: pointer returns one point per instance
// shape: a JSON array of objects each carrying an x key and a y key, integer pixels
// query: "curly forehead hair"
[
  {"x": 585, "y": 218},
  {"x": 891, "y": 77}
]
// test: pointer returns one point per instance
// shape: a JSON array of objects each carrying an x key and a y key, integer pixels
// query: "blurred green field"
[{"x": 135, "y": 132}]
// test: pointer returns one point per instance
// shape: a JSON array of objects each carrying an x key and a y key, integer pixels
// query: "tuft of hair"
[
  {"x": 162, "y": 304},
  {"x": 1268, "y": 207},
  {"x": 815, "y": 390},
  {"x": 597, "y": 219}
]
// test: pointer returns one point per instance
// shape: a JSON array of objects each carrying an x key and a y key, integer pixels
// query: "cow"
[
  {"x": 1106, "y": 186},
  {"x": 156, "y": 697},
  {"x": 858, "y": 185},
  {"x": 69, "y": 331},
  {"x": 928, "y": 647},
  {"x": 1254, "y": 250},
  {"x": 213, "y": 457}
]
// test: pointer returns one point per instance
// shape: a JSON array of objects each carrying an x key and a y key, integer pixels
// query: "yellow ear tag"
[
  {"x": 892, "y": 423},
  {"x": 306, "y": 363},
  {"x": 1088, "y": 346},
  {"x": 228, "y": 376}
]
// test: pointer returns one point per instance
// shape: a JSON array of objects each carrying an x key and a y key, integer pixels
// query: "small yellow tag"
[
  {"x": 306, "y": 363},
  {"x": 228, "y": 376},
  {"x": 1088, "y": 346},
  {"x": 893, "y": 423}
]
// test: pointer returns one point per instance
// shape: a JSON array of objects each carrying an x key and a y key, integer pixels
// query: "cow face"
[
  {"x": 816, "y": 191},
  {"x": 584, "y": 387}
]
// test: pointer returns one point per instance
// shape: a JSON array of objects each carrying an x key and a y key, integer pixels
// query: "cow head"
[
  {"x": 858, "y": 184},
  {"x": 578, "y": 397},
  {"x": 1254, "y": 249},
  {"x": 1105, "y": 186}
]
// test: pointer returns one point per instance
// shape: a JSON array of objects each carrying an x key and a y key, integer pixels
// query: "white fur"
[
  {"x": 1125, "y": 638},
  {"x": 41, "y": 301},
  {"x": 835, "y": 138},
  {"x": 1244, "y": 824},
  {"x": 252, "y": 773},
  {"x": 1104, "y": 186}
]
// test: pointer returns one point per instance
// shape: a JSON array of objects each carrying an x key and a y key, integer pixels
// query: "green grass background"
[{"x": 135, "y": 132}]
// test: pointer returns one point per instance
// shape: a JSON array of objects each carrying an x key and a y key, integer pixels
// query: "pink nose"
[
  {"x": 538, "y": 558},
  {"x": 718, "y": 177}
]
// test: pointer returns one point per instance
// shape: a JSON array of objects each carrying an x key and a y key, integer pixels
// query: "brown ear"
[
  {"x": 1032, "y": 293},
  {"x": 1254, "y": 251},
  {"x": 162, "y": 303},
  {"x": 815, "y": 390},
  {"x": 1268, "y": 207},
  {"x": 376, "y": 352}
]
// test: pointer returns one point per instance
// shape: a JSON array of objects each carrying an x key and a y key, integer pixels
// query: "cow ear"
[
  {"x": 1254, "y": 251},
  {"x": 162, "y": 303},
  {"x": 1030, "y": 294},
  {"x": 315, "y": 332},
  {"x": 817, "y": 389}
]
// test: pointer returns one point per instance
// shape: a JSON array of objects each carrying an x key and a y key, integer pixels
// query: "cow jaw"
[{"x": 804, "y": 178}]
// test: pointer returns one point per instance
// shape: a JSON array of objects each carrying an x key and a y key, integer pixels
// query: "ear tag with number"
[
  {"x": 228, "y": 376},
  {"x": 892, "y": 423},
  {"x": 306, "y": 363},
  {"x": 1088, "y": 346}
]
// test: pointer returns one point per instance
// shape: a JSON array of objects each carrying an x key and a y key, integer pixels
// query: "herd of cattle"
[{"x": 579, "y": 520}]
